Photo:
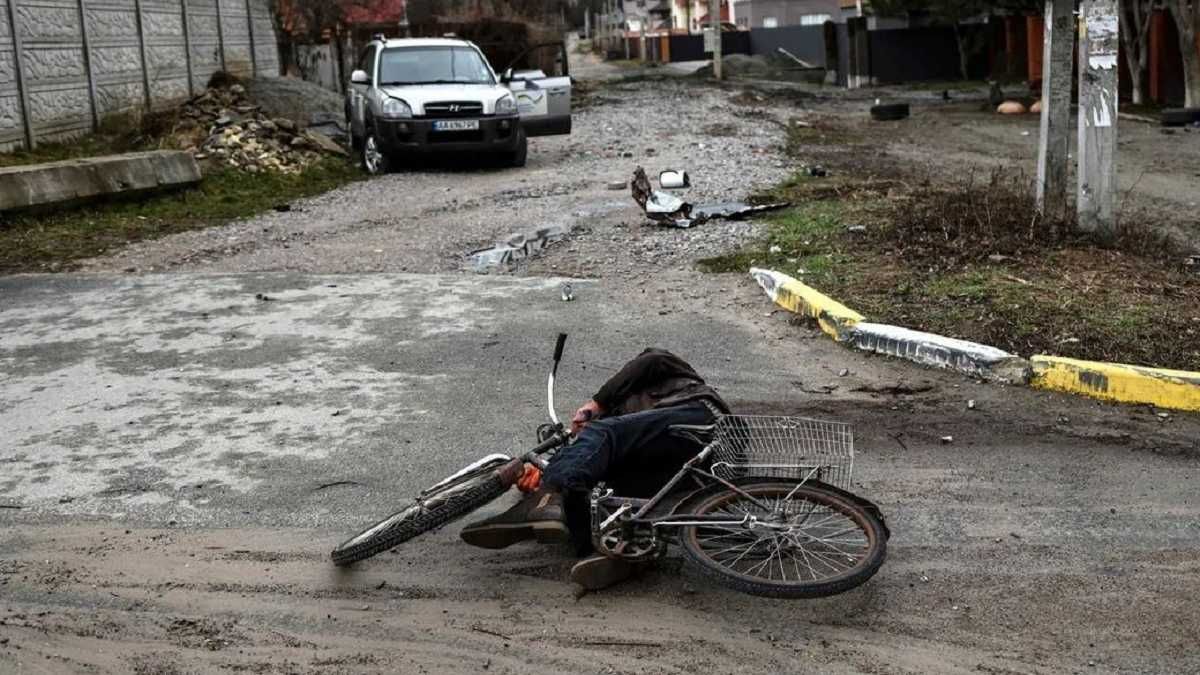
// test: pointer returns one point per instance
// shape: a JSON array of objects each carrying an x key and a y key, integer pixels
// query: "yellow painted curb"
[
  {"x": 835, "y": 319},
  {"x": 1176, "y": 389}
]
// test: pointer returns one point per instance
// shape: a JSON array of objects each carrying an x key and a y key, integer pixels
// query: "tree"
[
  {"x": 953, "y": 13},
  {"x": 1187, "y": 19},
  {"x": 1135, "y": 34}
]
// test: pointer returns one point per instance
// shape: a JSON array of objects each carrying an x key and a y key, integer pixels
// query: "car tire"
[
  {"x": 1180, "y": 117},
  {"x": 890, "y": 112},
  {"x": 518, "y": 157},
  {"x": 373, "y": 158}
]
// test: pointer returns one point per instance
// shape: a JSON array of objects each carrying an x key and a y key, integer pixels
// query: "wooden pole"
[
  {"x": 1055, "y": 142},
  {"x": 1100, "y": 39}
]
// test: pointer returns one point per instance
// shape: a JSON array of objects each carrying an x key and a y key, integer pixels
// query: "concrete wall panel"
[{"x": 56, "y": 73}]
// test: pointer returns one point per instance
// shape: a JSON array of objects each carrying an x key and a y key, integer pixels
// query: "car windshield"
[{"x": 433, "y": 65}]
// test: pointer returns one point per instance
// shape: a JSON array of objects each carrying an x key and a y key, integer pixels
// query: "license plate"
[{"x": 456, "y": 125}]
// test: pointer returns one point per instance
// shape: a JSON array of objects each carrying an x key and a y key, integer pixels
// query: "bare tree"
[
  {"x": 1135, "y": 19},
  {"x": 1187, "y": 20}
]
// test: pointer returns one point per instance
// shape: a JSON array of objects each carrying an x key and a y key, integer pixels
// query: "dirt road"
[
  {"x": 1013, "y": 552},
  {"x": 182, "y": 450}
]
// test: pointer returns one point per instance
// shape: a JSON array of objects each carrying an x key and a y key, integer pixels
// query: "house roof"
[{"x": 357, "y": 12}]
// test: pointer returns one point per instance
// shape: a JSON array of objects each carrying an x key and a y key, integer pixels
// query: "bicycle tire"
[
  {"x": 705, "y": 562},
  {"x": 419, "y": 518}
]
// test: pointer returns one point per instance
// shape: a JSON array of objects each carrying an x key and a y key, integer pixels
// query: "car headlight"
[
  {"x": 506, "y": 105},
  {"x": 396, "y": 109}
]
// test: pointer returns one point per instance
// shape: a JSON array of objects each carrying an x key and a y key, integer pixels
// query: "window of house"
[
  {"x": 814, "y": 19},
  {"x": 770, "y": 22}
]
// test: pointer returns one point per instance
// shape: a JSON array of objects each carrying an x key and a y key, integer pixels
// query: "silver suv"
[{"x": 426, "y": 95}]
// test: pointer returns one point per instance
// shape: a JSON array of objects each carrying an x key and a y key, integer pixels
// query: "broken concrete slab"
[
  {"x": 516, "y": 247},
  {"x": 76, "y": 180}
]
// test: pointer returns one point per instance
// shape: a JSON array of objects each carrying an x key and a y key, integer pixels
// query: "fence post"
[
  {"x": 141, "y": 31},
  {"x": 220, "y": 34},
  {"x": 250, "y": 30},
  {"x": 22, "y": 90},
  {"x": 187, "y": 46},
  {"x": 87, "y": 63}
]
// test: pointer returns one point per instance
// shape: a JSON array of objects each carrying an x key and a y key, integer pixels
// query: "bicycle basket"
[{"x": 783, "y": 447}]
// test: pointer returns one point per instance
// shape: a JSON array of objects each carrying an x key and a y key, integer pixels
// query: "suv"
[{"x": 419, "y": 96}]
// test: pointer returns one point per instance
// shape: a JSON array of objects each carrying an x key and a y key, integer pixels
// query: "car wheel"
[
  {"x": 517, "y": 157},
  {"x": 375, "y": 160}
]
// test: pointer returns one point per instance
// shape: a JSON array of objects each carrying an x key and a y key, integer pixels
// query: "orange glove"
[{"x": 530, "y": 480}]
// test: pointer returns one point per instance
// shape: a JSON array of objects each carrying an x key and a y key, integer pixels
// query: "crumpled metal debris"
[{"x": 668, "y": 209}]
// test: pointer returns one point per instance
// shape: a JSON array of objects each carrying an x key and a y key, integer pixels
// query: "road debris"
[
  {"x": 946, "y": 440},
  {"x": 670, "y": 210},
  {"x": 222, "y": 126},
  {"x": 516, "y": 248},
  {"x": 568, "y": 294},
  {"x": 674, "y": 180}
]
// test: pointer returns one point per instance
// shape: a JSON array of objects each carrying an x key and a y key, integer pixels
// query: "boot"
[
  {"x": 538, "y": 516},
  {"x": 598, "y": 572}
]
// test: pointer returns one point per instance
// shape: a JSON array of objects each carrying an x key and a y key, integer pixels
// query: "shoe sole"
[
  {"x": 595, "y": 575},
  {"x": 503, "y": 536}
]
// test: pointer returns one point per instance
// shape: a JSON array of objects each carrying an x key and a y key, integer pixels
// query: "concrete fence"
[{"x": 67, "y": 64}]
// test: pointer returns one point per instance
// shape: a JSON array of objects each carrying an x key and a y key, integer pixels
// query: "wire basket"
[{"x": 796, "y": 448}]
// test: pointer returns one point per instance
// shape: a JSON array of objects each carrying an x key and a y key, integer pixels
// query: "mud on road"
[{"x": 1012, "y": 553}]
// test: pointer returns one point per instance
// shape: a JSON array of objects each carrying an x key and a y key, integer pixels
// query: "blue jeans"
[{"x": 633, "y": 454}]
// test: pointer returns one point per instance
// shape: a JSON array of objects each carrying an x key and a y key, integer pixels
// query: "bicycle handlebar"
[{"x": 558, "y": 347}]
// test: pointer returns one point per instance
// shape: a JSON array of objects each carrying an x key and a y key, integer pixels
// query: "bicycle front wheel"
[
  {"x": 812, "y": 542},
  {"x": 422, "y": 516}
]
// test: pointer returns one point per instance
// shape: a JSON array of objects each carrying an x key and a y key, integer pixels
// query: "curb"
[
  {"x": 837, "y": 320},
  {"x": 1175, "y": 389},
  {"x": 938, "y": 351}
]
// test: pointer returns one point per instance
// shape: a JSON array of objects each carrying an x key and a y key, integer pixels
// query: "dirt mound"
[{"x": 223, "y": 126}]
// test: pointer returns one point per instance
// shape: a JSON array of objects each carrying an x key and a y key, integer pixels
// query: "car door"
[
  {"x": 356, "y": 93},
  {"x": 543, "y": 100}
]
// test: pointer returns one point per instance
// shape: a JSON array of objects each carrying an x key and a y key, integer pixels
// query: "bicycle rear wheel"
[
  {"x": 819, "y": 543},
  {"x": 445, "y": 506}
]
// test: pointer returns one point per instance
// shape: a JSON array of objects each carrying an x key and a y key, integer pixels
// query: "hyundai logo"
[{"x": 453, "y": 107}]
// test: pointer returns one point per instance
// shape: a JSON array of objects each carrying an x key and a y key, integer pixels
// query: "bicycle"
[{"x": 762, "y": 507}]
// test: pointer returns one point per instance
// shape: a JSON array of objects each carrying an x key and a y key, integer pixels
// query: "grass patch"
[
  {"x": 51, "y": 241},
  {"x": 125, "y": 132},
  {"x": 969, "y": 259}
]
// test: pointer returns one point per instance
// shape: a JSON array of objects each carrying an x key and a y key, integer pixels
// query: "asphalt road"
[{"x": 185, "y": 452}]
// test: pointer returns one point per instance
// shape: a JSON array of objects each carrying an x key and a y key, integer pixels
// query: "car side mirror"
[
  {"x": 360, "y": 77},
  {"x": 506, "y": 76}
]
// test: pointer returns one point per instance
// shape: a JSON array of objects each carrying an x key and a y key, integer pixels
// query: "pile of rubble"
[{"x": 227, "y": 128}]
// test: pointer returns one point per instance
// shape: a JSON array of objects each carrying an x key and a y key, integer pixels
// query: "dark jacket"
[{"x": 655, "y": 379}]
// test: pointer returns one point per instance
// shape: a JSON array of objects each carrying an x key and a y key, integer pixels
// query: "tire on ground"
[
  {"x": 1179, "y": 117},
  {"x": 414, "y": 520},
  {"x": 867, "y": 521},
  {"x": 890, "y": 112}
]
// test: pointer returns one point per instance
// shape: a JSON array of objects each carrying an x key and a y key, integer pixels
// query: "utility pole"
[
  {"x": 714, "y": 23},
  {"x": 1055, "y": 141},
  {"x": 1099, "y": 41}
]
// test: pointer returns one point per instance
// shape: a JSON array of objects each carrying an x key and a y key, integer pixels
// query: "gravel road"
[{"x": 430, "y": 219}]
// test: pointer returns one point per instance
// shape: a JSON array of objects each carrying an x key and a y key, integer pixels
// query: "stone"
[
  {"x": 76, "y": 180},
  {"x": 325, "y": 144}
]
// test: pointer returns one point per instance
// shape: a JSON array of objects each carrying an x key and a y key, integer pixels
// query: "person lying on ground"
[{"x": 620, "y": 438}]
